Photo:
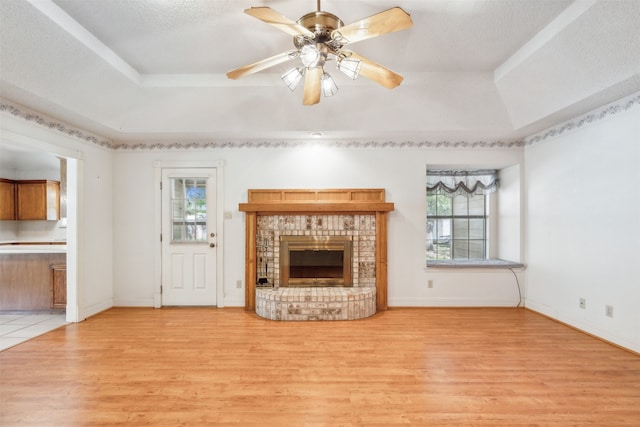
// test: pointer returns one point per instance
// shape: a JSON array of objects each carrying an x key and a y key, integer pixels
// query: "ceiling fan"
[{"x": 321, "y": 36}]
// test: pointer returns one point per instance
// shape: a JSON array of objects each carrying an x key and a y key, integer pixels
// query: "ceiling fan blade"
[
  {"x": 376, "y": 72},
  {"x": 312, "y": 79},
  {"x": 270, "y": 16},
  {"x": 262, "y": 65},
  {"x": 389, "y": 21}
]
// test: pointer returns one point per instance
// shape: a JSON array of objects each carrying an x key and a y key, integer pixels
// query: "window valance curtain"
[{"x": 462, "y": 182}]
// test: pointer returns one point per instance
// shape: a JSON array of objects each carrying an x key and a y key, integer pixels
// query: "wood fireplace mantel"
[{"x": 313, "y": 202}]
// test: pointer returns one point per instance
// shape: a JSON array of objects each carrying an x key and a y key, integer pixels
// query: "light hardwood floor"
[{"x": 203, "y": 366}]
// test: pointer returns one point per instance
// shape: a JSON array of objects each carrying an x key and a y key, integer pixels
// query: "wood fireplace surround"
[{"x": 316, "y": 202}]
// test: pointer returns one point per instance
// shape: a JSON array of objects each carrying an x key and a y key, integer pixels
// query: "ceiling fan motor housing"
[{"x": 319, "y": 23}]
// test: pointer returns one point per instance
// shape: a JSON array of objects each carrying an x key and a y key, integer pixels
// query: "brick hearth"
[{"x": 315, "y": 303}]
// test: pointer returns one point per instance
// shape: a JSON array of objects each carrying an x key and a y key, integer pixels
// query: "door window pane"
[{"x": 189, "y": 209}]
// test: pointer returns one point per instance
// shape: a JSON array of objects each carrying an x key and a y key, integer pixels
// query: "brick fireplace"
[{"x": 316, "y": 254}]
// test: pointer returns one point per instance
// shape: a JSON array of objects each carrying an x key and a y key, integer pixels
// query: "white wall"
[
  {"x": 41, "y": 231},
  {"x": 95, "y": 232},
  {"x": 400, "y": 171},
  {"x": 510, "y": 210},
  {"x": 583, "y": 227}
]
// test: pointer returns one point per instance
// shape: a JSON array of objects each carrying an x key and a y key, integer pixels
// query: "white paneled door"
[{"x": 188, "y": 236}]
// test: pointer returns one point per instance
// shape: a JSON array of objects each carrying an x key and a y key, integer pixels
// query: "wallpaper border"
[
  {"x": 334, "y": 144},
  {"x": 596, "y": 115},
  {"x": 53, "y": 124},
  {"x": 606, "y": 111},
  {"x": 66, "y": 129}
]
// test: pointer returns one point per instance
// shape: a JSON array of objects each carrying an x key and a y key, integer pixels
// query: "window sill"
[{"x": 488, "y": 263}]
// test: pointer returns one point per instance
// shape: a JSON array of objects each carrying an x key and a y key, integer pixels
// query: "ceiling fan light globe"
[
  {"x": 329, "y": 86},
  {"x": 350, "y": 67},
  {"x": 292, "y": 77},
  {"x": 310, "y": 56}
]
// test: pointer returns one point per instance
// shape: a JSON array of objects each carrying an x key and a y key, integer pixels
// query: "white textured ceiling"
[{"x": 154, "y": 70}]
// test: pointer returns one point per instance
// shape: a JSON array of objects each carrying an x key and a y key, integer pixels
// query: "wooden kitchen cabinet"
[
  {"x": 38, "y": 199},
  {"x": 27, "y": 280},
  {"x": 59, "y": 286},
  {"x": 7, "y": 199}
]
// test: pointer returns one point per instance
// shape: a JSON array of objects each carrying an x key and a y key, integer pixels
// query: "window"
[
  {"x": 456, "y": 226},
  {"x": 189, "y": 209},
  {"x": 457, "y": 214}
]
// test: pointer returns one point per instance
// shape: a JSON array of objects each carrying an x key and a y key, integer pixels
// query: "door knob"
[
  {"x": 212, "y": 234},
  {"x": 212, "y": 245}
]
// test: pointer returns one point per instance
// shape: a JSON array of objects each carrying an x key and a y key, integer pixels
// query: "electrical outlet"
[
  {"x": 239, "y": 284},
  {"x": 608, "y": 310},
  {"x": 429, "y": 283},
  {"x": 583, "y": 303}
]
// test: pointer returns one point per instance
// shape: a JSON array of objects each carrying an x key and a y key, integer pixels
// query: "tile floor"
[{"x": 20, "y": 327}]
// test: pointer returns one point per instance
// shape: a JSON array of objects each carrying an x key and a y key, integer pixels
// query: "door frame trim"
[
  {"x": 218, "y": 165},
  {"x": 75, "y": 311}
]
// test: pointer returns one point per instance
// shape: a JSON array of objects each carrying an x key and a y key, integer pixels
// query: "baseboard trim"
[
  {"x": 579, "y": 329},
  {"x": 233, "y": 302},
  {"x": 92, "y": 310},
  {"x": 451, "y": 302},
  {"x": 141, "y": 302}
]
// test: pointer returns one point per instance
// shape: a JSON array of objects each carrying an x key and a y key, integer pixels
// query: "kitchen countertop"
[{"x": 29, "y": 247}]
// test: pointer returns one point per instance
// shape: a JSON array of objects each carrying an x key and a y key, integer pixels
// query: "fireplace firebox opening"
[{"x": 308, "y": 261}]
